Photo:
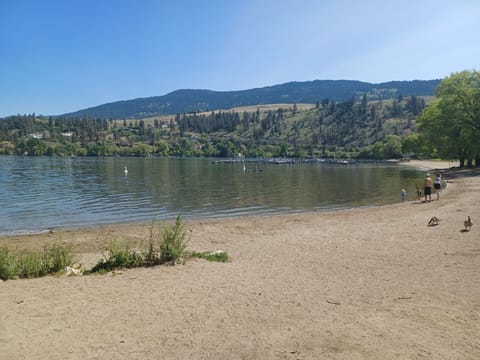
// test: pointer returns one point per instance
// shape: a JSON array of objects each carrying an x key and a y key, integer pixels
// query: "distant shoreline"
[{"x": 430, "y": 164}]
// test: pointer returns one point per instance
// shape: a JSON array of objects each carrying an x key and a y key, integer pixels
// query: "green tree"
[
  {"x": 36, "y": 147},
  {"x": 392, "y": 148},
  {"x": 162, "y": 148},
  {"x": 451, "y": 123},
  {"x": 412, "y": 144},
  {"x": 140, "y": 149}
]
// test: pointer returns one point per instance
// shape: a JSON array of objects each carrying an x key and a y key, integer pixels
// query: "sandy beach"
[{"x": 372, "y": 283}]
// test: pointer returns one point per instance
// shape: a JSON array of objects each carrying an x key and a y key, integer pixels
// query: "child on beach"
[
  {"x": 403, "y": 195},
  {"x": 437, "y": 185},
  {"x": 419, "y": 193}
]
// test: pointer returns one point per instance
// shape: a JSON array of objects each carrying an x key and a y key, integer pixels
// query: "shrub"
[
  {"x": 165, "y": 246},
  {"x": 119, "y": 256},
  {"x": 173, "y": 243},
  {"x": 33, "y": 264},
  {"x": 152, "y": 254},
  {"x": 57, "y": 257},
  {"x": 8, "y": 266}
]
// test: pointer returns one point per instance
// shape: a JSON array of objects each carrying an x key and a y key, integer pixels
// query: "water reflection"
[{"x": 38, "y": 193}]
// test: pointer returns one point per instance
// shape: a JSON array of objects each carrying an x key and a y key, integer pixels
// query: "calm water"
[{"x": 38, "y": 193}]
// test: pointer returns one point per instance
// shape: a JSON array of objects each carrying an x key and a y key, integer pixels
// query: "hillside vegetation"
[
  {"x": 356, "y": 128},
  {"x": 354, "y": 120}
]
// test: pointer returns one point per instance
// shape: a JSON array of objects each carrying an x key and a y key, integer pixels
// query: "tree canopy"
[{"x": 450, "y": 125}]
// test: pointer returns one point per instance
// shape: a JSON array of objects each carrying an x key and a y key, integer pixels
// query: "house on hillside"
[{"x": 34, "y": 136}]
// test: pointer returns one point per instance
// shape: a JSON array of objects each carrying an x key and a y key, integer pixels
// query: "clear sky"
[{"x": 58, "y": 56}]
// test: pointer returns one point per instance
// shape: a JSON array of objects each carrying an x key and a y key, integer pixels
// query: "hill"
[
  {"x": 329, "y": 129},
  {"x": 186, "y": 101}
]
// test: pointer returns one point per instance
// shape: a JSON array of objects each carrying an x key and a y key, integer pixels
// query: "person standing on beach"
[
  {"x": 437, "y": 185},
  {"x": 427, "y": 187},
  {"x": 419, "y": 193},
  {"x": 403, "y": 195}
]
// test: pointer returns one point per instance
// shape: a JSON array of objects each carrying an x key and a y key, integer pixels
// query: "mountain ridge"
[{"x": 197, "y": 100}]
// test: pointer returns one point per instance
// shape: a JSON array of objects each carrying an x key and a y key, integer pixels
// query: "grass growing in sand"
[
  {"x": 166, "y": 245},
  {"x": 218, "y": 255},
  {"x": 173, "y": 243},
  {"x": 52, "y": 260},
  {"x": 119, "y": 256}
]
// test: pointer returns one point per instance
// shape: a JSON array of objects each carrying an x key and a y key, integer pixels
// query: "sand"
[{"x": 374, "y": 283}]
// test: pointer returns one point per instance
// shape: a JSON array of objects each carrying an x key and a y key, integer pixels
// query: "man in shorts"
[{"x": 427, "y": 188}]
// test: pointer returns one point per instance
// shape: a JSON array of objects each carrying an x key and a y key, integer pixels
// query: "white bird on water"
[{"x": 125, "y": 170}]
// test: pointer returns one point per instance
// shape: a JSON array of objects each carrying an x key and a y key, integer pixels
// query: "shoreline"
[
  {"x": 137, "y": 232},
  {"x": 429, "y": 165},
  {"x": 421, "y": 165},
  {"x": 55, "y": 234},
  {"x": 362, "y": 283}
]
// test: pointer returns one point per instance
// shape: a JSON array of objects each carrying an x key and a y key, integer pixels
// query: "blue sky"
[{"x": 58, "y": 56}]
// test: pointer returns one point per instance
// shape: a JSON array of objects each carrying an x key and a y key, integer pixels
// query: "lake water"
[{"x": 60, "y": 192}]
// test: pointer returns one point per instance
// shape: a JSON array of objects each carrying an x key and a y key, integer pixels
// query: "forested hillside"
[
  {"x": 357, "y": 128},
  {"x": 186, "y": 101}
]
